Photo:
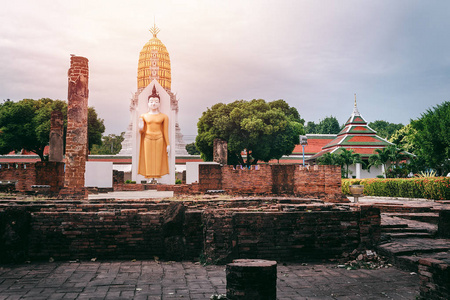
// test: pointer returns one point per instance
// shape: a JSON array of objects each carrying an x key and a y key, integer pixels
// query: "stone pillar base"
[{"x": 252, "y": 279}]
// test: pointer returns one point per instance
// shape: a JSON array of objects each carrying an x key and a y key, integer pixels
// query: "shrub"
[{"x": 437, "y": 188}]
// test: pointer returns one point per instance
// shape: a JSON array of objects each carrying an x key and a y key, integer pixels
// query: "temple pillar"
[
  {"x": 77, "y": 130},
  {"x": 56, "y": 137},
  {"x": 220, "y": 151},
  {"x": 358, "y": 170}
]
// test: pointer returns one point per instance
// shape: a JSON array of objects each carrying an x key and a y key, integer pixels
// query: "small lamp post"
[{"x": 303, "y": 142}]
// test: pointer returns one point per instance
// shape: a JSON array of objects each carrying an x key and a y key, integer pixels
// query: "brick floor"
[{"x": 169, "y": 280}]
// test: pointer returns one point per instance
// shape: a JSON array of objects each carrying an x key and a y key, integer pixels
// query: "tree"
[
  {"x": 263, "y": 130},
  {"x": 392, "y": 155},
  {"x": 311, "y": 127},
  {"x": 26, "y": 124},
  {"x": 192, "y": 149},
  {"x": 432, "y": 138},
  {"x": 404, "y": 138},
  {"x": 329, "y": 125},
  {"x": 111, "y": 144},
  {"x": 385, "y": 129},
  {"x": 330, "y": 159},
  {"x": 343, "y": 158},
  {"x": 95, "y": 128},
  {"x": 348, "y": 157}
]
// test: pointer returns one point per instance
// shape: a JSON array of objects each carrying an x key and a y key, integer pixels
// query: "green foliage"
[
  {"x": 178, "y": 181},
  {"x": 95, "y": 128},
  {"x": 393, "y": 155},
  {"x": 437, "y": 188},
  {"x": 192, "y": 149},
  {"x": 348, "y": 157},
  {"x": 329, "y": 125},
  {"x": 330, "y": 159},
  {"x": 385, "y": 129},
  {"x": 128, "y": 181},
  {"x": 264, "y": 130},
  {"x": 111, "y": 144},
  {"x": 26, "y": 124},
  {"x": 432, "y": 137},
  {"x": 404, "y": 138},
  {"x": 343, "y": 158}
]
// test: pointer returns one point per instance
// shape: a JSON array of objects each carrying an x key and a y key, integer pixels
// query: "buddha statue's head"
[{"x": 154, "y": 101}]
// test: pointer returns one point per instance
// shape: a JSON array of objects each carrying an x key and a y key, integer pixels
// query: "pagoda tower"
[{"x": 154, "y": 64}]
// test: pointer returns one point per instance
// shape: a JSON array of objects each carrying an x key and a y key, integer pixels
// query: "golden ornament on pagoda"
[{"x": 154, "y": 63}]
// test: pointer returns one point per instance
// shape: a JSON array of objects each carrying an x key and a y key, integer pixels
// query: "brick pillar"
[
  {"x": 56, "y": 137},
  {"x": 76, "y": 138},
  {"x": 252, "y": 279},
  {"x": 220, "y": 154}
]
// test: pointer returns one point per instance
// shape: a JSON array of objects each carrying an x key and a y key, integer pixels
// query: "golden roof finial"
[
  {"x": 355, "y": 100},
  {"x": 154, "y": 30}
]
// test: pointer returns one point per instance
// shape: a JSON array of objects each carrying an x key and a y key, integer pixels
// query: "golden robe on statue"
[{"x": 153, "y": 160}]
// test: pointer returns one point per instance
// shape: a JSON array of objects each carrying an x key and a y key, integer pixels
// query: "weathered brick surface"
[
  {"x": 252, "y": 279},
  {"x": 434, "y": 279},
  {"x": 210, "y": 177},
  {"x": 444, "y": 224},
  {"x": 56, "y": 137},
  {"x": 253, "y": 181},
  {"x": 118, "y": 177},
  {"x": 220, "y": 230},
  {"x": 283, "y": 179},
  {"x": 76, "y": 138},
  {"x": 369, "y": 225},
  {"x": 125, "y": 234},
  {"x": 39, "y": 173},
  {"x": 322, "y": 182}
]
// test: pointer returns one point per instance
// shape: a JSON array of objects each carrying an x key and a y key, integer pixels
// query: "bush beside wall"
[{"x": 437, "y": 188}]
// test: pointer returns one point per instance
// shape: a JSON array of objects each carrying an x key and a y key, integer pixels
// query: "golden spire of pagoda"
[
  {"x": 154, "y": 30},
  {"x": 154, "y": 62}
]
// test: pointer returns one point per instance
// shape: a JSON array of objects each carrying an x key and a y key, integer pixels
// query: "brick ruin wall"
[
  {"x": 434, "y": 274},
  {"x": 322, "y": 182},
  {"x": 39, "y": 173},
  {"x": 434, "y": 279},
  {"x": 139, "y": 230}
]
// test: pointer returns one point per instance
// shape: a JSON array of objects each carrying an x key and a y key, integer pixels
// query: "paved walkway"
[{"x": 187, "y": 280}]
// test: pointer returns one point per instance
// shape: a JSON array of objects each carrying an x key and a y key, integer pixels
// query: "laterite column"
[
  {"x": 252, "y": 279},
  {"x": 56, "y": 137},
  {"x": 77, "y": 128}
]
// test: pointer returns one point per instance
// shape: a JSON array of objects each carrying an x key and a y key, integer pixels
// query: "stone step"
[
  {"x": 430, "y": 217},
  {"x": 406, "y": 235},
  {"x": 403, "y": 225},
  {"x": 404, "y": 229},
  {"x": 411, "y": 262},
  {"x": 411, "y": 246}
]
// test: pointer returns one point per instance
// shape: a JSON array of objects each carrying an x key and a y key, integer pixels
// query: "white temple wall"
[{"x": 374, "y": 172}]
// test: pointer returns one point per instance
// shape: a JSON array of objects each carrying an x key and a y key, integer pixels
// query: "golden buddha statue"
[{"x": 155, "y": 146}]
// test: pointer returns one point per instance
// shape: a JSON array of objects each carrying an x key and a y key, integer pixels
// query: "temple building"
[
  {"x": 154, "y": 63},
  {"x": 357, "y": 136}
]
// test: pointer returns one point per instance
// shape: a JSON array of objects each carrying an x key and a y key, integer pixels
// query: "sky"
[{"x": 315, "y": 55}]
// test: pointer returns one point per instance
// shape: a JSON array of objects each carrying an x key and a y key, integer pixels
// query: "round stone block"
[{"x": 252, "y": 279}]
